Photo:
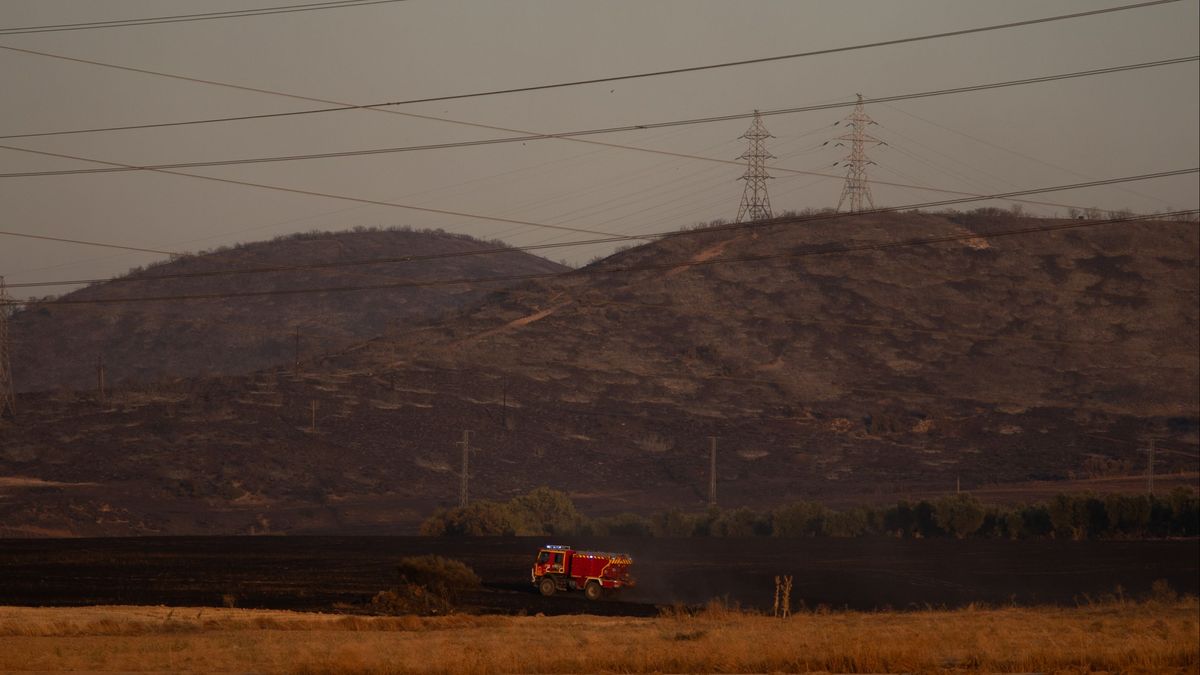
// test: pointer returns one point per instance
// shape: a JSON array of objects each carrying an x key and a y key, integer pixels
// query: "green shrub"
[
  {"x": 1024, "y": 522},
  {"x": 673, "y": 523},
  {"x": 428, "y": 584},
  {"x": 926, "y": 524},
  {"x": 622, "y": 525},
  {"x": 445, "y": 576},
  {"x": 1078, "y": 516},
  {"x": 543, "y": 511},
  {"x": 741, "y": 522},
  {"x": 547, "y": 512},
  {"x": 900, "y": 519},
  {"x": 477, "y": 519},
  {"x": 704, "y": 522},
  {"x": 854, "y": 522},
  {"x": 994, "y": 523},
  {"x": 1128, "y": 514},
  {"x": 801, "y": 519},
  {"x": 1185, "y": 512},
  {"x": 960, "y": 515}
]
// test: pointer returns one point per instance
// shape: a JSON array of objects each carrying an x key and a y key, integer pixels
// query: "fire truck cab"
[{"x": 562, "y": 568}]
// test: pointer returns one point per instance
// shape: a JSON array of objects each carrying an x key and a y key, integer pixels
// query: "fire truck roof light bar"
[{"x": 557, "y": 546}]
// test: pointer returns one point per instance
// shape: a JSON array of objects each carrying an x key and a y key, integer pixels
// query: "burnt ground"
[
  {"x": 858, "y": 377},
  {"x": 317, "y": 573}
]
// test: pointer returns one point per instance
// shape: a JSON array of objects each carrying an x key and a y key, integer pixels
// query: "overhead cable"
[
  {"x": 590, "y": 242},
  {"x": 601, "y": 269},
  {"x": 573, "y": 83},
  {"x": 602, "y": 130},
  {"x": 182, "y": 18}
]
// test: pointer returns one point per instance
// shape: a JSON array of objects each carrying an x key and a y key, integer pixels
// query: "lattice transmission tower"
[
  {"x": 756, "y": 205},
  {"x": 8, "y": 400},
  {"x": 857, "y": 190}
]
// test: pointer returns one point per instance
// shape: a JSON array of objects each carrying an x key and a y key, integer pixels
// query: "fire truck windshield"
[{"x": 543, "y": 557}]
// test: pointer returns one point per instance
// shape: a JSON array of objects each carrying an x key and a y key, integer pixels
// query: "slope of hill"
[
  {"x": 58, "y": 344},
  {"x": 829, "y": 364}
]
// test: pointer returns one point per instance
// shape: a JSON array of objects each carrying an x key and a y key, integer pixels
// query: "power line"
[
  {"x": 122, "y": 168},
  {"x": 303, "y": 266},
  {"x": 329, "y": 195},
  {"x": 559, "y": 85},
  {"x": 878, "y": 246},
  {"x": 588, "y": 242},
  {"x": 182, "y": 18},
  {"x": 381, "y": 110},
  {"x": 84, "y": 242},
  {"x": 1001, "y": 147}
]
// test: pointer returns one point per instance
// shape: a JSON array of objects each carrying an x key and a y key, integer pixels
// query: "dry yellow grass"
[{"x": 1150, "y": 638}]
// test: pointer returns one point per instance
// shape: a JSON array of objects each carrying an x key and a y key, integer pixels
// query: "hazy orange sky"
[{"x": 984, "y": 142}]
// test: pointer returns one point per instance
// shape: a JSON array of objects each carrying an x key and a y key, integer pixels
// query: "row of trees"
[{"x": 1067, "y": 516}]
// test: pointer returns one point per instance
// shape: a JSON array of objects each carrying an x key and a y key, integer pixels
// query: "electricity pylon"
[
  {"x": 755, "y": 203},
  {"x": 857, "y": 191},
  {"x": 8, "y": 400}
]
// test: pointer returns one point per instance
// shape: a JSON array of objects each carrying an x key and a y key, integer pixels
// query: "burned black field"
[{"x": 340, "y": 573}]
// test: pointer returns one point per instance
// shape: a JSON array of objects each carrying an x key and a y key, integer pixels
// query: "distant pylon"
[
  {"x": 755, "y": 203},
  {"x": 8, "y": 400},
  {"x": 857, "y": 191}
]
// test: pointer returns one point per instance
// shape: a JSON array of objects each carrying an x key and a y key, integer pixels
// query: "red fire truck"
[{"x": 562, "y": 568}]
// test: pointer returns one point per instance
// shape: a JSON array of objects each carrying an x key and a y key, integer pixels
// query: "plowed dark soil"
[{"x": 315, "y": 573}]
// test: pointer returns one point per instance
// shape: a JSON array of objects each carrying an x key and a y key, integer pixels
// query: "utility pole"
[
  {"x": 504, "y": 405},
  {"x": 296, "y": 350},
  {"x": 466, "y": 454},
  {"x": 856, "y": 190},
  {"x": 100, "y": 378},
  {"x": 8, "y": 400},
  {"x": 712, "y": 471},
  {"x": 313, "y": 419},
  {"x": 756, "y": 205}
]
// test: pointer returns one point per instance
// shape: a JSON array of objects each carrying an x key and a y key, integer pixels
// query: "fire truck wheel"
[
  {"x": 593, "y": 590},
  {"x": 547, "y": 586}
]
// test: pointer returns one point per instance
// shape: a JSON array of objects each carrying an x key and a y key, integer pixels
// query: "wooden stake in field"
[
  {"x": 783, "y": 597},
  {"x": 314, "y": 416},
  {"x": 775, "y": 610}
]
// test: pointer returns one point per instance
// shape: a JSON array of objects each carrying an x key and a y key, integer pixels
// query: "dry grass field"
[{"x": 1152, "y": 637}]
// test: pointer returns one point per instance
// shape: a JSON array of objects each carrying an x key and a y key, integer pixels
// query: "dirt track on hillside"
[{"x": 315, "y": 573}]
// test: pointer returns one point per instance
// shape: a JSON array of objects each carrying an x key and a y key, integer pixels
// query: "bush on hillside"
[
  {"x": 742, "y": 522},
  {"x": 622, "y": 525},
  {"x": 800, "y": 519},
  {"x": 545, "y": 512},
  {"x": 674, "y": 523},
  {"x": 960, "y": 515},
  {"x": 854, "y": 522},
  {"x": 478, "y": 519}
]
